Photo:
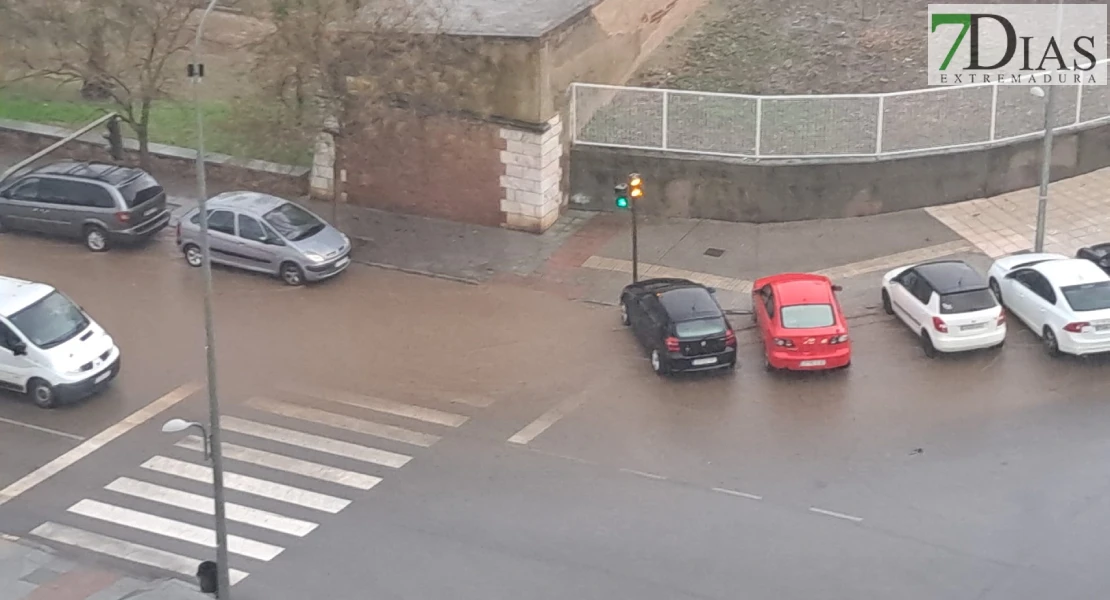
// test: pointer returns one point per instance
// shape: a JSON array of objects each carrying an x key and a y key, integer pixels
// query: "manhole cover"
[{"x": 714, "y": 252}]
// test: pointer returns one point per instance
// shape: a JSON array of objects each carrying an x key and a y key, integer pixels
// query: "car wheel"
[
  {"x": 291, "y": 274},
  {"x": 767, "y": 366},
  {"x": 96, "y": 238},
  {"x": 658, "y": 363},
  {"x": 996, "y": 290},
  {"x": 1051, "y": 345},
  {"x": 927, "y": 344},
  {"x": 41, "y": 393},
  {"x": 624, "y": 314},
  {"x": 193, "y": 255},
  {"x": 888, "y": 308}
]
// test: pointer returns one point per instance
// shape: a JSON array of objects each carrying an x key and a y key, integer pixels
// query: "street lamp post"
[
  {"x": 1046, "y": 162},
  {"x": 213, "y": 437}
]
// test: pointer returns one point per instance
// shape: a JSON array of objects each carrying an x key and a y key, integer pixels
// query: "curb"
[{"x": 420, "y": 272}]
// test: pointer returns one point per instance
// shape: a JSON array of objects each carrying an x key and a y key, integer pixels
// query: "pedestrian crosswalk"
[{"x": 293, "y": 458}]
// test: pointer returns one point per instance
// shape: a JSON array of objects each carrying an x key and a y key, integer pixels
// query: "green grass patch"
[{"x": 172, "y": 122}]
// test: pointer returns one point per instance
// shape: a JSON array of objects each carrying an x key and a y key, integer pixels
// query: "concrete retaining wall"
[
  {"x": 273, "y": 178},
  {"x": 733, "y": 190}
]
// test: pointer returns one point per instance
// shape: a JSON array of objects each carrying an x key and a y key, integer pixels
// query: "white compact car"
[
  {"x": 1065, "y": 301},
  {"x": 947, "y": 303},
  {"x": 49, "y": 348}
]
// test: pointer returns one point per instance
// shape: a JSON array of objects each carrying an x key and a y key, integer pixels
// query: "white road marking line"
[
  {"x": 287, "y": 464},
  {"x": 315, "y": 442},
  {"x": 249, "y": 485},
  {"x": 835, "y": 514},
  {"x": 736, "y": 493},
  {"x": 136, "y": 553},
  {"x": 94, "y": 443},
  {"x": 42, "y": 429},
  {"x": 205, "y": 505},
  {"x": 643, "y": 474},
  {"x": 547, "y": 419},
  {"x": 172, "y": 529},
  {"x": 409, "y": 411},
  {"x": 323, "y": 417}
]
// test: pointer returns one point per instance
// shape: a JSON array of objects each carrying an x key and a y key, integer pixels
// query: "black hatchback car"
[
  {"x": 1098, "y": 254},
  {"x": 680, "y": 324}
]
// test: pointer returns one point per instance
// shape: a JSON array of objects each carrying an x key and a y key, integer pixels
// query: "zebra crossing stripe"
[
  {"x": 287, "y": 464},
  {"x": 315, "y": 442},
  {"x": 249, "y": 485},
  {"x": 323, "y": 417},
  {"x": 136, "y": 553},
  {"x": 409, "y": 411}
]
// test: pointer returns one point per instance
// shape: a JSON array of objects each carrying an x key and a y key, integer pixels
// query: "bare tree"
[{"x": 118, "y": 50}]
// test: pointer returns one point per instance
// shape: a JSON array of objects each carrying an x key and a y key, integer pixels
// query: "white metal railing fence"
[{"x": 824, "y": 126}]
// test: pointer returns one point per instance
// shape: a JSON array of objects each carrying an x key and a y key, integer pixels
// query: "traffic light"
[
  {"x": 635, "y": 189},
  {"x": 621, "y": 191}
]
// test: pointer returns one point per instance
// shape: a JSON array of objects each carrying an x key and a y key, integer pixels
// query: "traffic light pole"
[{"x": 635, "y": 245}]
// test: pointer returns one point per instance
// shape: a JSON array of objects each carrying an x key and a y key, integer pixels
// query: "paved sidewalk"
[{"x": 33, "y": 572}]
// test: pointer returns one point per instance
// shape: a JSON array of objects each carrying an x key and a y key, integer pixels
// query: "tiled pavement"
[
  {"x": 32, "y": 572},
  {"x": 1078, "y": 215}
]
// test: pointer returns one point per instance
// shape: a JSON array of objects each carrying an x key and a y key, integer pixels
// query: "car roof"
[
  {"x": 951, "y": 276},
  {"x": 801, "y": 288},
  {"x": 113, "y": 175},
  {"x": 688, "y": 302},
  {"x": 18, "y": 294},
  {"x": 252, "y": 203},
  {"x": 1072, "y": 271}
]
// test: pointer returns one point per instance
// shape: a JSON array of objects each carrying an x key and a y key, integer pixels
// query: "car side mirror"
[
  {"x": 712, "y": 290},
  {"x": 19, "y": 348},
  {"x": 837, "y": 288}
]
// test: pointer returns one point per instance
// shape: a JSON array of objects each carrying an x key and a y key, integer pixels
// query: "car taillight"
[
  {"x": 1001, "y": 318},
  {"x": 123, "y": 217},
  {"x": 838, "y": 339},
  {"x": 672, "y": 344},
  {"x": 730, "y": 339},
  {"x": 1076, "y": 327},
  {"x": 940, "y": 325},
  {"x": 785, "y": 343}
]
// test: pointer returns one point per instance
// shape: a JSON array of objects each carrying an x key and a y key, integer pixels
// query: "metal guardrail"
[{"x": 824, "y": 127}]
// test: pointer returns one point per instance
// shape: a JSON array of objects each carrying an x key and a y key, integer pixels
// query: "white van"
[{"x": 49, "y": 348}]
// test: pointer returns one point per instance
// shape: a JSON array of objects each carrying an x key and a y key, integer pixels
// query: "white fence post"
[
  {"x": 758, "y": 124},
  {"x": 666, "y": 97},
  {"x": 574, "y": 113},
  {"x": 994, "y": 109},
  {"x": 879, "y": 129}
]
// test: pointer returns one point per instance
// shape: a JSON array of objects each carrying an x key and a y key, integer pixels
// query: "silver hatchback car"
[{"x": 266, "y": 234}]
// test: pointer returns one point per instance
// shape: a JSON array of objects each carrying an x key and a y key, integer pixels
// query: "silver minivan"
[{"x": 266, "y": 234}]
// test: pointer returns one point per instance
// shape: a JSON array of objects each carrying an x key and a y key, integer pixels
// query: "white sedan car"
[
  {"x": 1066, "y": 301},
  {"x": 946, "y": 303}
]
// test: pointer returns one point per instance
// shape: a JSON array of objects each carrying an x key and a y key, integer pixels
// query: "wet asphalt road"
[{"x": 974, "y": 477}]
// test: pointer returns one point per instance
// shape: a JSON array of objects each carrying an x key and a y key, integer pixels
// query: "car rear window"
[
  {"x": 1088, "y": 296},
  {"x": 140, "y": 190},
  {"x": 965, "y": 302},
  {"x": 700, "y": 327},
  {"x": 807, "y": 316}
]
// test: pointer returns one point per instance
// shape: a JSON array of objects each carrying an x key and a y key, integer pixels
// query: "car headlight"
[{"x": 314, "y": 257}]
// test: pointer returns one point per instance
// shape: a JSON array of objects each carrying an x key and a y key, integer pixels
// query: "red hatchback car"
[{"x": 800, "y": 321}]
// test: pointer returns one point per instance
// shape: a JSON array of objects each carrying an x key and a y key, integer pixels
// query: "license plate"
[
  {"x": 812, "y": 363},
  {"x": 975, "y": 326},
  {"x": 150, "y": 211},
  {"x": 697, "y": 362},
  {"x": 1102, "y": 327},
  {"x": 103, "y": 376}
]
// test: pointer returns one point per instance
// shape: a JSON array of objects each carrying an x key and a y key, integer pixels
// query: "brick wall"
[{"x": 435, "y": 166}]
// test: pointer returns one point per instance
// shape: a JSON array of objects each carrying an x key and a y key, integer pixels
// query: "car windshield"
[
  {"x": 293, "y": 222},
  {"x": 807, "y": 316},
  {"x": 140, "y": 190},
  {"x": 700, "y": 327},
  {"x": 965, "y": 302},
  {"x": 1088, "y": 296},
  {"x": 50, "y": 322}
]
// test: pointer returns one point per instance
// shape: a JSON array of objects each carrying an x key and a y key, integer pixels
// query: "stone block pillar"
[
  {"x": 531, "y": 186},
  {"x": 322, "y": 181}
]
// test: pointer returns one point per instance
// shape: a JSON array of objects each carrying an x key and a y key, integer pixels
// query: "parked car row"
[
  {"x": 105, "y": 205},
  {"x": 948, "y": 304}
]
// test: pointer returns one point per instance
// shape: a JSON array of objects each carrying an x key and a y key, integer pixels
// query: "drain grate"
[{"x": 714, "y": 252}]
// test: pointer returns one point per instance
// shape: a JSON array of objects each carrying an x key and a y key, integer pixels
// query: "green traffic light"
[{"x": 622, "y": 202}]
